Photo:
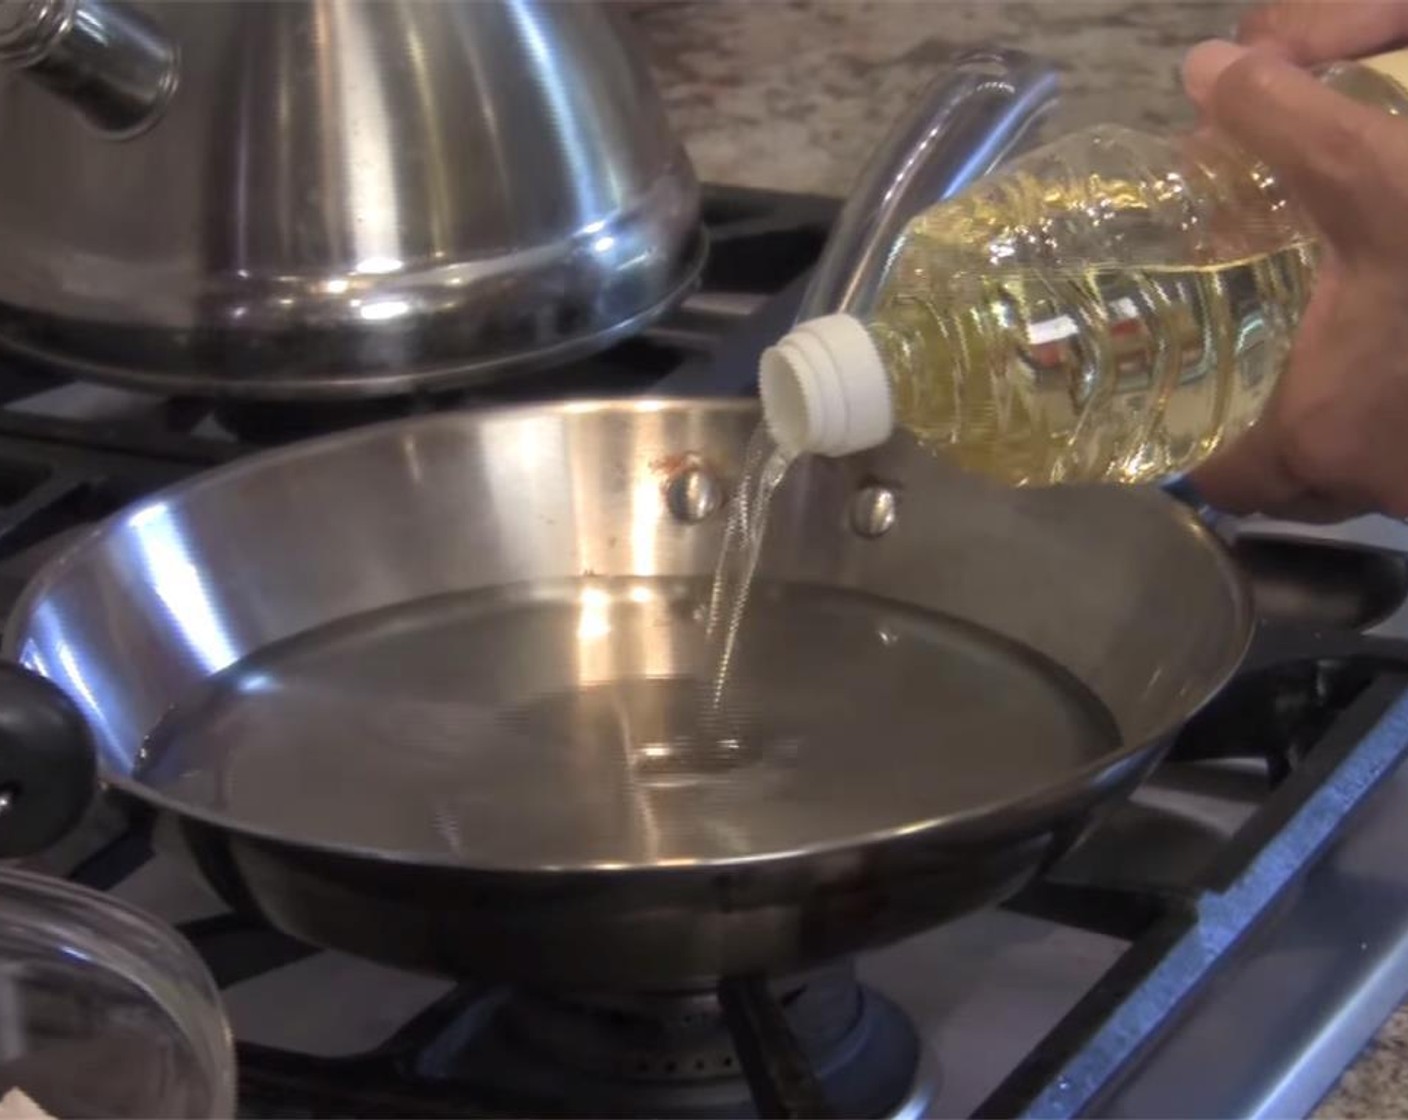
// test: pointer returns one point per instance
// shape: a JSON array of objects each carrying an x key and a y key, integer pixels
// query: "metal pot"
[
  {"x": 284, "y": 200},
  {"x": 1120, "y": 590}
]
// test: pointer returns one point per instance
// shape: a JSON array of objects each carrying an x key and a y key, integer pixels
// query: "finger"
[
  {"x": 1341, "y": 407},
  {"x": 1311, "y": 31},
  {"x": 1266, "y": 470},
  {"x": 1248, "y": 476},
  {"x": 1336, "y": 157},
  {"x": 1205, "y": 63}
]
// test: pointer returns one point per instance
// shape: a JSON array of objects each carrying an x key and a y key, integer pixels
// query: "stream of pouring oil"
[{"x": 764, "y": 467}]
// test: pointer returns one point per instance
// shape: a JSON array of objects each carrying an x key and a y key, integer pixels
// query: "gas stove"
[{"x": 1223, "y": 944}]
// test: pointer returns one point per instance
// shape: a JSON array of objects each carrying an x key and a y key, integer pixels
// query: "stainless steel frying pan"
[{"x": 598, "y": 855}]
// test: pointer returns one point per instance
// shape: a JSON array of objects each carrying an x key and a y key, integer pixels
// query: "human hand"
[
  {"x": 1311, "y": 31},
  {"x": 1333, "y": 440}
]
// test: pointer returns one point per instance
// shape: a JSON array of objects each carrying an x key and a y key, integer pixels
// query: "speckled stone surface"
[{"x": 792, "y": 94}]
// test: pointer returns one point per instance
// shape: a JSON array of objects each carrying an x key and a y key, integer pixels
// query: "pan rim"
[{"x": 1039, "y": 807}]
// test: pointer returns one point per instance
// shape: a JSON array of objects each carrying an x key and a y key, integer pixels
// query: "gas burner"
[
  {"x": 688, "y": 1055},
  {"x": 811, "y": 1046}
]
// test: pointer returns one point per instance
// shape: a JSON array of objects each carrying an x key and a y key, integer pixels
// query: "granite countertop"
[{"x": 792, "y": 95}]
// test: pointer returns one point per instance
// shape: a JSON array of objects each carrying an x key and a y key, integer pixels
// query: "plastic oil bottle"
[{"x": 1112, "y": 307}]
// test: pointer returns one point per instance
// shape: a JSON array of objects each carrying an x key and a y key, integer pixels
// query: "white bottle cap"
[{"x": 825, "y": 390}]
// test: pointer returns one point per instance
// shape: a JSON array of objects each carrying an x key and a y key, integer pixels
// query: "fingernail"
[{"x": 1204, "y": 64}]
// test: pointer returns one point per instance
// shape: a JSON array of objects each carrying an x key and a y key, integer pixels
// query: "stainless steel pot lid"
[{"x": 276, "y": 200}]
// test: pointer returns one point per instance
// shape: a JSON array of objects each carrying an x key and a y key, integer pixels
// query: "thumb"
[{"x": 1205, "y": 64}]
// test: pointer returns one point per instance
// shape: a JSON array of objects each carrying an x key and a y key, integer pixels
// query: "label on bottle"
[{"x": 1393, "y": 66}]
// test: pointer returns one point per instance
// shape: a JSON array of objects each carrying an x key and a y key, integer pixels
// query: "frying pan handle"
[
  {"x": 48, "y": 770},
  {"x": 1283, "y": 643}
]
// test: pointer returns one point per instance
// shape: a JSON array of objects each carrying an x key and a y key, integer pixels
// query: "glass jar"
[{"x": 105, "y": 1011}]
